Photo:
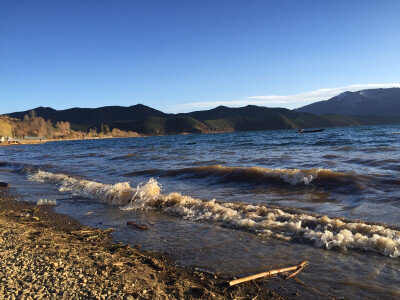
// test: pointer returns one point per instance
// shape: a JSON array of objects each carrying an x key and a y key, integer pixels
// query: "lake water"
[{"x": 238, "y": 203}]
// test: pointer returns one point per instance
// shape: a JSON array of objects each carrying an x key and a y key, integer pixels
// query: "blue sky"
[{"x": 186, "y": 55}]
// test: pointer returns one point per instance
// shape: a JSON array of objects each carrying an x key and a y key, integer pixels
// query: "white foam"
[
  {"x": 46, "y": 202},
  {"x": 119, "y": 193},
  {"x": 296, "y": 176},
  {"x": 322, "y": 231}
]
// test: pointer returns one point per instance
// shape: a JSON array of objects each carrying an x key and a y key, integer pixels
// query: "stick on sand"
[{"x": 297, "y": 269}]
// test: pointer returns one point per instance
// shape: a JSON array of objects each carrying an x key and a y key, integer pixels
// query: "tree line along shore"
[{"x": 34, "y": 129}]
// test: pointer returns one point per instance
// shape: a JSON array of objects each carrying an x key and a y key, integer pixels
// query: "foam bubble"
[{"x": 46, "y": 202}]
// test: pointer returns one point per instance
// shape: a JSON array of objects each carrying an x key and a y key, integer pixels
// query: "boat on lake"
[{"x": 309, "y": 131}]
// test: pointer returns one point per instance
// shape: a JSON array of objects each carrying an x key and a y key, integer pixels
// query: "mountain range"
[
  {"x": 372, "y": 102},
  {"x": 367, "y": 107}
]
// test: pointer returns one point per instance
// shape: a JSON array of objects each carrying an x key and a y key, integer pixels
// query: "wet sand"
[{"x": 45, "y": 255}]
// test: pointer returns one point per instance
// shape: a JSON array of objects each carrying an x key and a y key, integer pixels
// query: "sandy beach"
[{"x": 45, "y": 255}]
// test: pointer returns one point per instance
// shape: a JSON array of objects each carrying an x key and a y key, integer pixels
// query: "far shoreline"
[{"x": 40, "y": 142}]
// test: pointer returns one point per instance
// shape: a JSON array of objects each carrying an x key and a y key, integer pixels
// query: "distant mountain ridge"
[
  {"x": 343, "y": 110},
  {"x": 94, "y": 116},
  {"x": 371, "y": 102}
]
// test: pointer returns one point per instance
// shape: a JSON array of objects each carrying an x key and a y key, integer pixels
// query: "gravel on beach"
[{"x": 44, "y": 255}]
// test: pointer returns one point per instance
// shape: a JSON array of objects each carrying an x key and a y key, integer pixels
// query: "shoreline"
[
  {"x": 51, "y": 255},
  {"x": 40, "y": 142}
]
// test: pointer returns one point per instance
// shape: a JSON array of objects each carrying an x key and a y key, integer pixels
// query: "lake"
[{"x": 237, "y": 203}]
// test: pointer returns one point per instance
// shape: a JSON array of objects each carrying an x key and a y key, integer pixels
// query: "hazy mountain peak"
[{"x": 378, "y": 102}]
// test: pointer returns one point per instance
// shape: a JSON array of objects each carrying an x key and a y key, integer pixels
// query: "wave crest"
[
  {"x": 119, "y": 193},
  {"x": 256, "y": 174},
  {"x": 322, "y": 231}
]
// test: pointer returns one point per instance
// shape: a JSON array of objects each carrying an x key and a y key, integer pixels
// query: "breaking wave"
[
  {"x": 119, "y": 193},
  {"x": 249, "y": 174},
  {"x": 322, "y": 231}
]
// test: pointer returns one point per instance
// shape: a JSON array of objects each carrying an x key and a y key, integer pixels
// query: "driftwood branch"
[
  {"x": 296, "y": 272},
  {"x": 297, "y": 269}
]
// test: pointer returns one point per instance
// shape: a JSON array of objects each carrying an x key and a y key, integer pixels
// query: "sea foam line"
[{"x": 322, "y": 231}]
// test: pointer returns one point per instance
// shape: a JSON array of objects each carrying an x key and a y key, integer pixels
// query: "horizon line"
[
  {"x": 294, "y": 101},
  {"x": 304, "y": 99}
]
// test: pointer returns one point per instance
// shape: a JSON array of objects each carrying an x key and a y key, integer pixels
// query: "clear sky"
[{"x": 190, "y": 55}]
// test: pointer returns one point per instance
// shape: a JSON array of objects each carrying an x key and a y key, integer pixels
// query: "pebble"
[{"x": 32, "y": 267}]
